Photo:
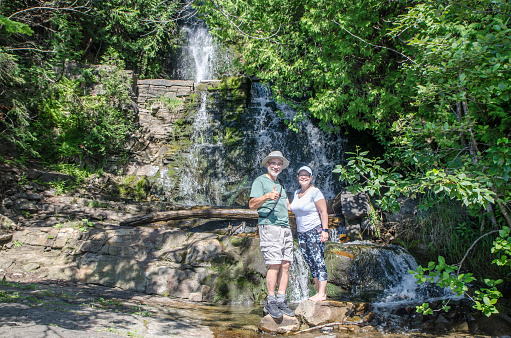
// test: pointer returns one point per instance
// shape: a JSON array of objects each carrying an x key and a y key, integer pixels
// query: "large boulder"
[
  {"x": 352, "y": 206},
  {"x": 366, "y": 267},
  {"x": 408, "y": 211},
  {"x": 285, "y": 324},
  {"x": 320, "y": 313}
]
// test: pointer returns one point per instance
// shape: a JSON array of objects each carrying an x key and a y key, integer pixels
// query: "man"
[{"x": 270, "y": 199}]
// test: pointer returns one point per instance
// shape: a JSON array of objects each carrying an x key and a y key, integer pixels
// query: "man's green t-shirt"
[{"x": 279, "y": 216}]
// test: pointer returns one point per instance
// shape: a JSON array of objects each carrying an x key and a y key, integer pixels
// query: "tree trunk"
[{"x": 194, "y": 213}]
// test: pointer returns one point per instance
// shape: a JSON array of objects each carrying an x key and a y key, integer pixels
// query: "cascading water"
[
  {"x": 309, "y": 146},
  {"x": 383, "y": 270},
  {"x": 379, "y": 275},
  {"x": 213, "y": 173},
  {"x": 298, "y": 288},
  {"x": 202, "y": 50},
  {"x": 195, "y": 187}
]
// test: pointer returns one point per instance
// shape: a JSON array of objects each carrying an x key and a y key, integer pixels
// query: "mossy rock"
[{"x": 135, "y": 187}]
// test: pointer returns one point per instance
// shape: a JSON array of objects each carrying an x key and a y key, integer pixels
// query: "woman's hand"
[{"x": 324, "y": 236}]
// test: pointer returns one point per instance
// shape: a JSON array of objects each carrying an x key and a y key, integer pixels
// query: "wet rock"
[
  {"x": 319, "y": 313},
  {"x": 461, "y": 327},
  {"x": 354, "y": 319},
  {"x": 361, "y": 308},
  {"x": 368, "y": 318},
  {"x": 350, "y": 328},
  {"x": 401, "y": 312},
  {"x": 442, "y": 324},
  {"x": 285, "y": 324}
]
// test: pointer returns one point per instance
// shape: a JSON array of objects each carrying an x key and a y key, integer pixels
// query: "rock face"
[
  {"x": 161, "y": 105},
  {"x": 365, "y": 267},
  {"x": 356, "y": 210},
  {"x": 194, "y": 266},
  {"x": 319, "y": 313}
]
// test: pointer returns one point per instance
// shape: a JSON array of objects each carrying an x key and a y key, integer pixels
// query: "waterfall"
[
  {"x": 200, "y": 44},
  {"x": 199, "y": 185},
  {"x": 309, "y": 146},
  {"x": 212, "y": 173},
  {"x": 298, "y": 287},
  {"x": 381, "y": 273}
]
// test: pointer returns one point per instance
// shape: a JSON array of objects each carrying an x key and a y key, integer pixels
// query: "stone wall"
[{"x": 162, "y": 114}]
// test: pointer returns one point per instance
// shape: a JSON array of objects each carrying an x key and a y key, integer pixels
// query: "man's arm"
[{"x": 257, "y": 202}]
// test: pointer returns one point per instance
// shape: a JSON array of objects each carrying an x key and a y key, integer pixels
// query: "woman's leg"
[{"x": 320, "y": 266}]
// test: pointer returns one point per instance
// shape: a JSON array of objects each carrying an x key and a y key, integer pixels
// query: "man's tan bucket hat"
[{"x": 275, "y": 154}]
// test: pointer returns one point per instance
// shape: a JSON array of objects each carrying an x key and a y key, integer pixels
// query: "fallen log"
[{"x": 193, "y": 213}]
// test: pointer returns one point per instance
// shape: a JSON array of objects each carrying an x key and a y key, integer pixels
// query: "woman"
[{"x": 309, "y": 207}]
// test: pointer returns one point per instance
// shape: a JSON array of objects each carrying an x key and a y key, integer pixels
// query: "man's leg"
[
  {"x": 271, "y": 307},
  {"x": 271, "y": 279},
  {"x": 283, "y": 279}
]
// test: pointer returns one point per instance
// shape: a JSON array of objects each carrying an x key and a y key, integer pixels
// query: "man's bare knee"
[{"x": 285, "y": 265}]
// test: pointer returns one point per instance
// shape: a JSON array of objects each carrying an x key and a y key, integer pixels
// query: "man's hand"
[
  {"x": 256, "y": 203},
  {"x": 273, "y": 195}
]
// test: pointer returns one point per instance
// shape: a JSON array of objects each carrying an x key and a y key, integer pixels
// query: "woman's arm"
[{"x": 323, "y": 215}]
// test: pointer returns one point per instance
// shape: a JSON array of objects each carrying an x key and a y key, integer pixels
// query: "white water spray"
[{"x": 298, "y": 287}]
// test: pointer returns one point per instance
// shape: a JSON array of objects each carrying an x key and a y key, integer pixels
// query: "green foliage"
[
  {"x": 89, "y": 125},
  {"x": 13, "y": 27},
  {"x": 171, "y": 103},
  {"x": 58, "y": 225},
  {"x": 84, "y": 225},
  {"x": 448, "y": 230},
  {"x": 307, "y": 51},
  {"x": 445, "y": 275},
  {"x": 56, "y": 115},
  {"x": 133, "y": 187},
  {"x": 502, "y": 246}
]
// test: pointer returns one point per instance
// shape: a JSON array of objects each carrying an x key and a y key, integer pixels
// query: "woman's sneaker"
[
  {"x": 285, "y": 308},
  {"x": 272, "y": 309}
]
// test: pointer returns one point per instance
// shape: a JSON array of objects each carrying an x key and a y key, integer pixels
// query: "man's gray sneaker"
[
  {"x": 285, "y": 308},
  {"x": 272, "y": 309}
]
